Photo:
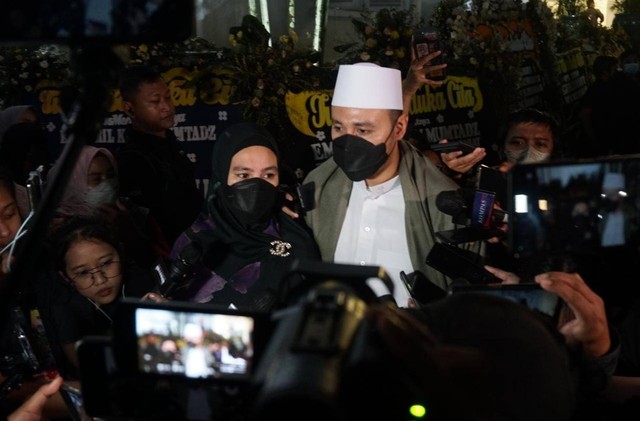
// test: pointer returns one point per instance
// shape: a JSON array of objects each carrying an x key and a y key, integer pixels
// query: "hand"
[
  {"x": 583, "y": 319},
  {"x": 505, "y": 167},
  {"x": 503, "y": 275},
  {"x": 462, "y": 163},
  {"x": 287, "y": 210},
  {"x": 418, "y": 71},
  {"x": 156, "y": 298},
  {"x": 32, "y": 409}
]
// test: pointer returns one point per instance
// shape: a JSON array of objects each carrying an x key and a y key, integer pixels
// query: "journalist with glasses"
[{"x": 94, "y": 274}]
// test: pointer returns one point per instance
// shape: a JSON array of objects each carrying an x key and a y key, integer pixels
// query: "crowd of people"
[{"x": 374, "y": 204}]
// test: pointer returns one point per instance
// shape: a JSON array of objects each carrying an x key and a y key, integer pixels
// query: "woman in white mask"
[{"x": 92, "y": 189}]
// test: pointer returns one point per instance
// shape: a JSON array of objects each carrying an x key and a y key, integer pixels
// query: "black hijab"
[{"x": 274, "y": 244}]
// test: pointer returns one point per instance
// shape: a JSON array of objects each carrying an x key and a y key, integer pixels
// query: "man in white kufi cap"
[{"x": 375, "y": 200}]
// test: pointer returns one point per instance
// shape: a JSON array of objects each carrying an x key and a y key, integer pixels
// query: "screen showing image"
[
  {"x": 535, "y": 299},
  {"x": 194, "y": 345},
  {"x": 578, "y": 206},
  {"x": 121, "y": 20}
]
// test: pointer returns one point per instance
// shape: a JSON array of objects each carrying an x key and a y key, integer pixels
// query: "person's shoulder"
[{"x": 321, "y": 172}]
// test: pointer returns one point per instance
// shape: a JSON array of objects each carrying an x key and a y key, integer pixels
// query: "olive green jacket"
[{"x": 421, "y": 182}]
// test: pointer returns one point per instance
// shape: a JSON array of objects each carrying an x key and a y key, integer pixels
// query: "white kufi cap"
[{"x": 367, "y": 85}]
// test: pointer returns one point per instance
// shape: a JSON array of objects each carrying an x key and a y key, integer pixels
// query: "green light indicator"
[{"x": 418, "y": 411}]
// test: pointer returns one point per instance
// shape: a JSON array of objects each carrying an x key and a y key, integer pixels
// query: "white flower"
[
  {"x": 44, "y": 64},
  {"x": 28, "y": 88},
  {"x": 23, "y": 75},
  {"x": 24, "y": 64}
]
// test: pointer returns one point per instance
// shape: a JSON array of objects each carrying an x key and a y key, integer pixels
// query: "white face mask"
[
  {"x": 515, "y": 156},
  {"x": 105, "y": 193},
  {"x": 534, "y": 155},
  {"x": 526, "y": 156}
]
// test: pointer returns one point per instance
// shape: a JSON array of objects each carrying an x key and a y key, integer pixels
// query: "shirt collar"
[{"x": 376, "y": 191}]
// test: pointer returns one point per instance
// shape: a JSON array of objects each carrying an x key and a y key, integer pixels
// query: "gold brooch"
[{"x": 280, "y": 248}]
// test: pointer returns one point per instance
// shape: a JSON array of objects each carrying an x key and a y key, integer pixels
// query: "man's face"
[
  {"x": 375, "y": 126},
  {"x": 151, "y": 109},
  {"x": 523, "y": 136}
]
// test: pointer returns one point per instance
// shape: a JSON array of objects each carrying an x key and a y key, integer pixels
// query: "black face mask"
[
  {"x": 252, "y": 201},
  {"x": 357, "y": 157}
]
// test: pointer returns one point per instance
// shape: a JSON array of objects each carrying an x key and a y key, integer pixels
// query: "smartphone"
[
  {"x": 73, "y": 399},
  {"x": 420, "y": 288},
  {"x": 427, "y": 41},
  {"x": 457, "y": 263},
  {"x": 529, "y": 294},
  {"x": 466, "y": 148},
  {"x": 491, "y": 179},
  {"x": 97, "y": 371}
]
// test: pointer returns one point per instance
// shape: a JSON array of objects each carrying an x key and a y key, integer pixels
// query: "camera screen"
[
  {"x": 105, "y": 20},
  {"x": 193, "y": 344},
  {"x": 529, "y": 295},
  {"x": 535, "y": 299},
  {"x": 585, "y": 206}
]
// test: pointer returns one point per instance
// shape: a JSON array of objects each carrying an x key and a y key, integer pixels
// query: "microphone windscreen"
[{"x": 451, "y": 202}]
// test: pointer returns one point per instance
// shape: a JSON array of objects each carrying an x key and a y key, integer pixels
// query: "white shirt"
[{"x": 373, "y": 234}]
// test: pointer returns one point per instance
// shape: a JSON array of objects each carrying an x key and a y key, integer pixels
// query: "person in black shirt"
[{"x": 154, "y": 171}]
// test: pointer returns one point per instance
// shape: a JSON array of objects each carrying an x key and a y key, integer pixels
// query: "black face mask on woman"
[
  {"x": 357, "y": 157},
  {"x": 252, "y": 201}
]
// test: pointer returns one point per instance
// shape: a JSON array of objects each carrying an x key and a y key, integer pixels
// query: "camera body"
[{"x": 318, "y": 357}]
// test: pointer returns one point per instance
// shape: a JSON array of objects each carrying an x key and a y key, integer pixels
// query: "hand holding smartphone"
[
  {"x": 448, "y": 147},
  {"x": 425, "y": 42}
]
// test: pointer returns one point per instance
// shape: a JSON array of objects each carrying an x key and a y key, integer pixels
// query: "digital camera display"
[
  {"x": 194, "y": 344},
  {"x": 585, "y": 206},
  {"x": 530, "y": 295}
]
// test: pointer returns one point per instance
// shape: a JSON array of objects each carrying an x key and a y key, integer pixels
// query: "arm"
[
  {"x": 583, "y": 322},
  {"x": 417, "y": 77}
]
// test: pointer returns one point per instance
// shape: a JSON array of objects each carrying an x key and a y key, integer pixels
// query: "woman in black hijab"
[{"x": 242, "y": 244}]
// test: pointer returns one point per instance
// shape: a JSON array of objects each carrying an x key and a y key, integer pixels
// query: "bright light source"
[
  {"x": 521, "y": 201},
  {"x": 543, "y": 205}
]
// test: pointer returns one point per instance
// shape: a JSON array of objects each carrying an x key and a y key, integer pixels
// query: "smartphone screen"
[{"x": 530, "y": 295}]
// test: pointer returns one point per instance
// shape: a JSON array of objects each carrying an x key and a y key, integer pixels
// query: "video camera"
[{"x": 315, "y": 359}]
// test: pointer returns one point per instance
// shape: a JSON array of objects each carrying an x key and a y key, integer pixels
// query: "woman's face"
[
  {"x": 9, "y": 216},
  {"x": 99, "y": 170},
  {"x": 93, "y": 267},
  {"x": 253, "y": 162}
]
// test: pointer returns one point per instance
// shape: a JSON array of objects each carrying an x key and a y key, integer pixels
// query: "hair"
[
  {"x": 135, "y": 76},
  {"x": 6, "y": 181},
  {"x": 532, "y": 116},
  {"x": 79, "y": 228}
]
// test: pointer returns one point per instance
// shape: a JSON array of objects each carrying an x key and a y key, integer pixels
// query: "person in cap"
[
  {"x": 375, "y": 200},
  {"x": 246, "y": 242}
]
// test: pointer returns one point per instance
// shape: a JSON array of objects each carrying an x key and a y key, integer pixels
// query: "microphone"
[
  {"x": 465, "y": 205},
  {"x": 474, "y": 209},
  {"x": 456, "y": 204},
  {"x": 176, "y": 276}
]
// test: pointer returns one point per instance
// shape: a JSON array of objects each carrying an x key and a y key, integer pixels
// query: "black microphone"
[
  {"x": 459, "y": 204},
  {"x": 176, "y": 276},
  {"x": 456, "y": 204}
]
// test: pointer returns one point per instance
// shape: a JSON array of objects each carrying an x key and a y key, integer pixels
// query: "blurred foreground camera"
[{"x": 315, "y": 359}]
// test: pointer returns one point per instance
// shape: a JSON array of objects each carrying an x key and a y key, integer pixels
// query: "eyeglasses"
[{"x": 86, "y": 278}]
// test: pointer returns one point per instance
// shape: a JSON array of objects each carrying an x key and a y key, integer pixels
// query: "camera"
[{"x": 317, "y": 357}]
